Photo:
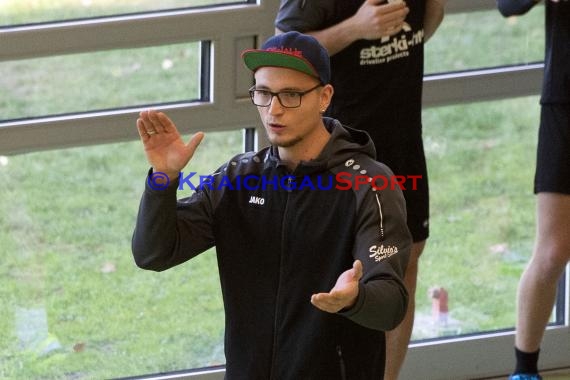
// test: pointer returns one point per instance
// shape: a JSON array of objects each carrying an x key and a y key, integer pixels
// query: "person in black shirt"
[
  {"x": 376, "y": 50},
  {"x": 538, "y": 283}
]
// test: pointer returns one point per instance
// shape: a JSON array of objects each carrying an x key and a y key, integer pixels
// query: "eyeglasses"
[{"x": 288, "y": 99}]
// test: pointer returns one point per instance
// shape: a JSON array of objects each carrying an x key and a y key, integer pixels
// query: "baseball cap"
[{"x": 292, "y": 50}]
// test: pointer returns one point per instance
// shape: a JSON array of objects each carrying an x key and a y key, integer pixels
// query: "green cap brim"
[{"x": 254, "y": 59}]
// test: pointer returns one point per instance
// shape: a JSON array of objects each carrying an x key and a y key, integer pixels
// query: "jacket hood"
[{"x": 344, "y": 143}]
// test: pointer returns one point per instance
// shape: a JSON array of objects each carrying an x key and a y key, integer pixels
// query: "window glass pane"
[
  {"x": 92, "y": 81},
  {"x": 485, "y": 39},
  {"x": 74, "y": 305},
  {"x": 481, "y": 160},
  {"x": 14, "y": 12}
]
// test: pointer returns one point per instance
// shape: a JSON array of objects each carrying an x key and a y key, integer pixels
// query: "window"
[
  {"x": 76, "y": 306},
  {"x": 481, "y": 159},
  {"x": 462, "y": 43},
  {"x": 102, "y": 80}
]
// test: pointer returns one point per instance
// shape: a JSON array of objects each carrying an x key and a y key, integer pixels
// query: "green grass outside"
[
  {"x": 481, "y": 161},
  {"x": 485, "y": 39},
  {"x": 67, "y": 219},
  {"x": 93, "y": 81},
  {"x": 67, "y": 216}
]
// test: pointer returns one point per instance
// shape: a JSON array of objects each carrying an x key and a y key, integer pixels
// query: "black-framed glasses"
[{"x": 288, "y": 99}]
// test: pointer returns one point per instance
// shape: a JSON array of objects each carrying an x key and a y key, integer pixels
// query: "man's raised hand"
[{"x": 164, "y": 148}]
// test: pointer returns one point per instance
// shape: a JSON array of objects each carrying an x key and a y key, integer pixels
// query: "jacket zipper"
[
  {"x": 341, "y": 362},
  {"x": 275, "y": 327}
]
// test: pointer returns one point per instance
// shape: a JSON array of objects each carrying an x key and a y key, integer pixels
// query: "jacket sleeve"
[
  {"x": 383, "y": 244},
  {"x": 515, "y": 7},
  {"x": 169, "y": 232}
]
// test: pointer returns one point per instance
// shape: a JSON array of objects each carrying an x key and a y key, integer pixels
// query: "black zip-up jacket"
[{"x": 282, "y": 237}]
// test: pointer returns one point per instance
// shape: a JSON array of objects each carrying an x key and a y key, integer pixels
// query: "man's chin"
[{"x": 283, "y": 142}]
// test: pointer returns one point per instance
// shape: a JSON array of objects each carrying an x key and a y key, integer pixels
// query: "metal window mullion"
[
  {"x": 482, "y": 85},
  {"x": 566, "y": 320},
  {"x": 463, "y": 6},
  {"x": 127, "y": 32},
  {"x": 149, "y": 29},
  {"x": 109, "y": 126}
]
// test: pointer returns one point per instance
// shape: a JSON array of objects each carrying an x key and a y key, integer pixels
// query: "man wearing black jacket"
[
  {"x": 537, "y": 287},
  {"x": 311, "y": 241}
]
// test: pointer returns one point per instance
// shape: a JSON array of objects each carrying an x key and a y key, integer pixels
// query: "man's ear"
[{"x": 326, "y": 96}]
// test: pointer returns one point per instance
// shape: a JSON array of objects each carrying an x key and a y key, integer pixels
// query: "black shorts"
[
  {"x": 408, "y": 159},
  {"x": 553, "y": 153}
]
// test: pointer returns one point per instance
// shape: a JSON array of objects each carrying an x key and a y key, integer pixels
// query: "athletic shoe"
[{"x": 523, "y": 376}]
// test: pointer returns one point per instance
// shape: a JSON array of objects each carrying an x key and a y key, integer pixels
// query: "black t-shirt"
[
  {"x": 378, "y": 83},
  {"x": 556, "y": 86}
]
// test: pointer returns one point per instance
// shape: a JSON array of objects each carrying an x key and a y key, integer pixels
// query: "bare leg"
[
  {"x": 397, "y": 340},
  {"x": 537, "y": 287}
]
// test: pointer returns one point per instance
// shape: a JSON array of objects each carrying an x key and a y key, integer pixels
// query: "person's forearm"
[
  {"x": 381, "y": 305},
  {"x": 515, "y": 7},
  {"x": 433, "y": 17},
  {"x": 337, "y": 37},
  {"x": 155, "y": 231},
  {"x": 382, "y": 298}
]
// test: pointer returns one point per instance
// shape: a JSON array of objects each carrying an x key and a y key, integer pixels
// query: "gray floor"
[{"x": 563, "y": 374}]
